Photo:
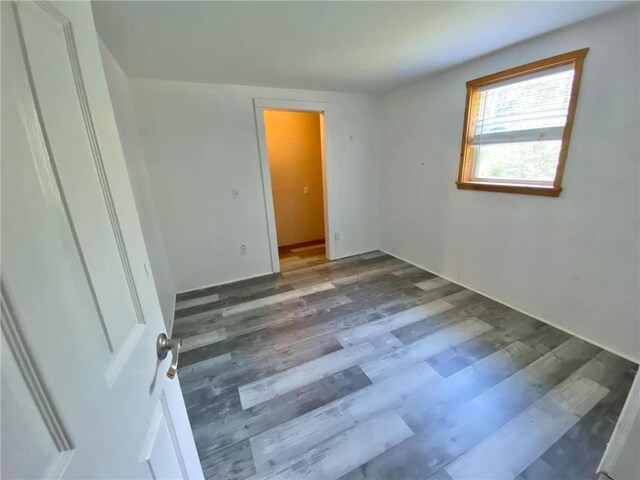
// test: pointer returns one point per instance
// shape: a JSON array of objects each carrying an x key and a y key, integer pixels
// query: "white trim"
[
  {"x": 228, "y": 282},
  {"x": 565, "y": 330},
  {"x": 168, "y": 419},
  {"x": 267, "y": 193},
  {"x": 260, "y": 104},
  {"x": 368, "y": 250},
  {"x": 35, "y": 381},
  {"x": 225, "y": 282},
  {"x": 151, "y": 435},
  {"x": 630, "y": 411},
  {"x": 121, "y": 356},
  {"x": 514, "y": 182}
]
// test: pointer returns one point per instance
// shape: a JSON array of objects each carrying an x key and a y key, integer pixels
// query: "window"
[{"x": 517, "y": 127}]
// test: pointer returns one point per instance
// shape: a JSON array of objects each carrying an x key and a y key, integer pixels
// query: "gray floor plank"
[
  {"x": 462, "y": 355},
  {"x": 284, "y": 442},
  {"x": 274, "y": 375},
  {"x": 437, "y": 282},
  {"x": 346, "y": 451},
  {"x": 416, "y": 352},
  {"x": 386, "y": 325},
  {"x": 265, "y": 389},
  {"x": 458, "y": 412},
  {"x": 232, "y": 463},
  {"x": 277, "y": 298},
  {"x": 553, "y": 415},
  {"x": 202, "y": 339},
  {"x": 220, "y": 425},
  {"x": 444, "y": 422},
  {"x": 582, "y": 447},
  {"x": 205, "y": 310},
  {"x": 212, "y": 298}
]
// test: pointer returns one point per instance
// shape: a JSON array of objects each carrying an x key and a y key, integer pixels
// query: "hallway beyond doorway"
[
  {"x": 307, "y": 254},
  {"x": 295, "y": 150}
]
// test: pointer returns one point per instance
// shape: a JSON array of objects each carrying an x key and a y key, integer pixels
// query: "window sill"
[{"x": 510, "y": 188}]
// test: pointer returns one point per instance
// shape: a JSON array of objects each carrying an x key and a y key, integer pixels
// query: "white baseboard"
[
  {"x": 367, "y": 250},
  {"x": 226, "y": 282},
  {"x": 518, "y": 309}
]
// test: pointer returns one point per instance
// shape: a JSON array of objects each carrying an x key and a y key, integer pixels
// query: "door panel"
[
  {"x": 24, "y": 421},
  {"x": 71, "y": 136},
  {"x": 159, "y": 441},
  {"x": 83, "y": 314}
]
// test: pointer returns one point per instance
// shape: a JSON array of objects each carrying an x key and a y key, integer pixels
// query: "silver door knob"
[{"x": 163, "y": 345}]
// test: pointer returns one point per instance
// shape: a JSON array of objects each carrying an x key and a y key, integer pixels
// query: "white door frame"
[
  {"x": 621, "y": 437},
  {"x": 262, "y": 104}
]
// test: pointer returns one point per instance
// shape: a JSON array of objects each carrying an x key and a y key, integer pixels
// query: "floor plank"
[
  {"x": 385, "y": 325},
  {"x": 286, "y": 441},
  {"x": 342, "y": 453},
  {"x": 268, "y": 388},
  {"x": 203, "y": 339},
  {"x": 370, "y": 368},
  {"x": 278, "y": 298},
  {"x": 416, "y": 352},
  {"x": 181, "y": 305},
  {"x": 220, "y": 425},
  {"x": 551, "y": 416}
]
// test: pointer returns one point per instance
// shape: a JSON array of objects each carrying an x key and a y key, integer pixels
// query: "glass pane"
[
  {"x": 532, "y": 161},
  {"x": 539, "y": 102}
]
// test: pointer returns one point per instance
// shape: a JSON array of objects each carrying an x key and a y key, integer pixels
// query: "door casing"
[{"x": 328, "y": 183}]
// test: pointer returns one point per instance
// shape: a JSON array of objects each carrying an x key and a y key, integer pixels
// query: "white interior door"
[{"x": 83, "y": 392}]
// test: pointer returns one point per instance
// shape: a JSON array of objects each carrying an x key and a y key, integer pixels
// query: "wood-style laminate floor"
[{"x": 370, "y": 368}]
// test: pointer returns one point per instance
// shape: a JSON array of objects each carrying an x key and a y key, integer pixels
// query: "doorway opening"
[{"x": 293, "y": 155}]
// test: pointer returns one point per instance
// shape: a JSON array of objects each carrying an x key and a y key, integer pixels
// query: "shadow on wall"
[{"x": 294, "y": 147}]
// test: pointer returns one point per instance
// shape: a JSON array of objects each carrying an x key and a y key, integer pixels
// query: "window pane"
[
  {"x": 538, "y": 102},
  {"x": 533, "y": 161}
]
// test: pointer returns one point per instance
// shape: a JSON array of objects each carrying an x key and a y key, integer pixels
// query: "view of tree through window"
[
  {"x": 527, "y": 160},
  {"x": 530, "y": 115},
  {"x": 517, "y": 126}
]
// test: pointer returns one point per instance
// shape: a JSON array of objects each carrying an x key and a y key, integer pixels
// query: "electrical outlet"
[
  {"x": 235, "y": 193},
  {"x": 336, "y": 236},
  {"x": 243, "y": 249},
  {"x": 306, "y": 190}
]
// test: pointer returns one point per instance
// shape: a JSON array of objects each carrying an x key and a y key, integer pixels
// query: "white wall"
[
  {"x": 572, "y": 261},
  {"x": 120, "y": 94},
  {"x": 200, "y": 142}
]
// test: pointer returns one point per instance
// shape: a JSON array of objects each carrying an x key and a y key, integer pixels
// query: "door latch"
[{"x": 163, "y": 345}]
